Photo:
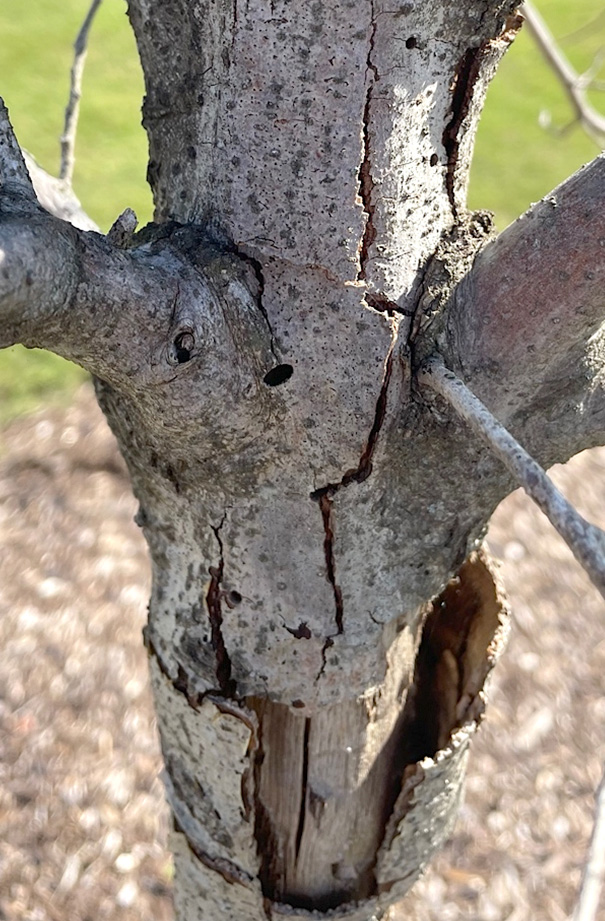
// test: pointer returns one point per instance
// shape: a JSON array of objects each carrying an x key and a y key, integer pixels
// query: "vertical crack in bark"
[
  {"x": 215, "y": 614},
  {"x": 358, "y": 474},
  {"x": 465, "y": 77},
  {"x": 366, "y": 184},
  {"x": 325, "y": 505},
  {"x": 303, "y": 792},
  {"x": 364, "y": 468}
]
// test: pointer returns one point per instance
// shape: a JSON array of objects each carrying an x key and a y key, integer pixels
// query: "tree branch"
[
  {"x": 523, "y": 326},
  {"x": 68, "y": 138},
  {"x": 13, "y": 170},
  {"x": 574, "y": 85},
  {"x": 57, "y": 196},
  {"x": 586, "y": 541}
]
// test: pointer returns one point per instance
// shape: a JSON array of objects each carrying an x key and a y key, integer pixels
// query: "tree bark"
[{"x": 321, "y": 622}]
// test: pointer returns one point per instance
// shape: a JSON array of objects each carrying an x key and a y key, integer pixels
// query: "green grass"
[{"x": 516, "y": 161}]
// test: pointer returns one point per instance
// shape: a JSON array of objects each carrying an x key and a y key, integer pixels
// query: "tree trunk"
[{"x": 322, "y": 621}]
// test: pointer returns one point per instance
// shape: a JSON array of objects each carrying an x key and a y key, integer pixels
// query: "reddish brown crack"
[
  {"x": 366, "y": 183},
  {"x": 215, "y": 614},
  {"x": 358, "y": 474},
  {"x": 364, "y": 468},
  {"x": 383, "y": 304}
]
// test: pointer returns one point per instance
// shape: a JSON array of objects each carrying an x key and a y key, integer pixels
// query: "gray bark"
[{"x": 321, "y": 623}]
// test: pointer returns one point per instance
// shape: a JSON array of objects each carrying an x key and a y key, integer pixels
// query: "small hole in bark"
[
  {"x": 235, "y": 597},
  {"x": 411, "y": 42},
  {"x": 278, "y": 375},
  {"x": 183, "y": 345},
  {"x": 434, "y": 160}
]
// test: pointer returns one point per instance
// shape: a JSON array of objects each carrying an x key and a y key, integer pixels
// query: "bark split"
[{"x": 311, "y": 251}]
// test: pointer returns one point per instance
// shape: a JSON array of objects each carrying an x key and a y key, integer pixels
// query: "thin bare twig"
[
  {"x": 68, "y": 138},
  {"x": 594, "y": 869},
  {"x": 585, "y": 540},
  {"x": 574, "y": 84}
]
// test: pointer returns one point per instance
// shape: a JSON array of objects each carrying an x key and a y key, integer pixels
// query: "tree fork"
[{"x": 309, "y": 166}]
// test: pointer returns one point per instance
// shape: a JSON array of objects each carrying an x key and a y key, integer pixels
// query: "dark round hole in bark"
[
  {"x": 411, "y": 42},
  {"x": 434, "y": 160},
  {"x": 183, "y": 345},
  {"x": 235, "y": 597},
  {"x": 278, "y": 375}
]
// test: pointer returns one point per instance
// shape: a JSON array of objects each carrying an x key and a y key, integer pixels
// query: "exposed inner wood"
[{"x": 327, "y": 785}]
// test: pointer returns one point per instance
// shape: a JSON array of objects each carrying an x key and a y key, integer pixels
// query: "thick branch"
[{"x": 525, "y": 319}]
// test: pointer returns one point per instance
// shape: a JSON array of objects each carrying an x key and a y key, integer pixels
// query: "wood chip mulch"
[{"x": 82, "y": 817}]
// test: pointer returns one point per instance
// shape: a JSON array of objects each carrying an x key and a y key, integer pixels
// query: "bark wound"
[
  {"x": 464, "y": 632},
  {"x": 215, "y": 614},
  {"x": 366, "y": 184},
  {"x": 464, "y": 80}
]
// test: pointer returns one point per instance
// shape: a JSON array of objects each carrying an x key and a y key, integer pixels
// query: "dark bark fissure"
[
  {"x": 325, "y": 505},
  {"x": 383, "y": 304},
  {"x": 181, "y": 682},
  {"x": 214, "y": 597},
  {"x": 323, "y": 496},
  {"x": 366, "y": 183},
  {"x": 364, "y": 468},
  {"x": 465, "y": 76},
  {"x": 257, "y": 268},
  {"x": 304, "y": 784}
]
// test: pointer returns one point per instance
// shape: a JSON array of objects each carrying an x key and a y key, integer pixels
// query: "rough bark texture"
[{"x": 255, "y": 353}]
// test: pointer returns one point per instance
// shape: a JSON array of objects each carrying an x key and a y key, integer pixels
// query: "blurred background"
[{"x": 82, "y": 819}]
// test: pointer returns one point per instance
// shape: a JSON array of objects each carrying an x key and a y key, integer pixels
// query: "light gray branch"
[
  {"x": 57, "y": 196},
  {"x": 586, "y": 541},
  {"x": 68, "y": 138},
  {"x": 573, "y": 83}
]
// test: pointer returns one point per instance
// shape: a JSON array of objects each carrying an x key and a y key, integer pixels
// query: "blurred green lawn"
[{"x": 516, "y": 161}]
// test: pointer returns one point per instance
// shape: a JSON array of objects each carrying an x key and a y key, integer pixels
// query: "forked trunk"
[{"x": 322, "y": 621}]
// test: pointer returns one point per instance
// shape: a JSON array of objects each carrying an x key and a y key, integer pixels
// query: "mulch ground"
[{"x": 82, "y": 817}]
